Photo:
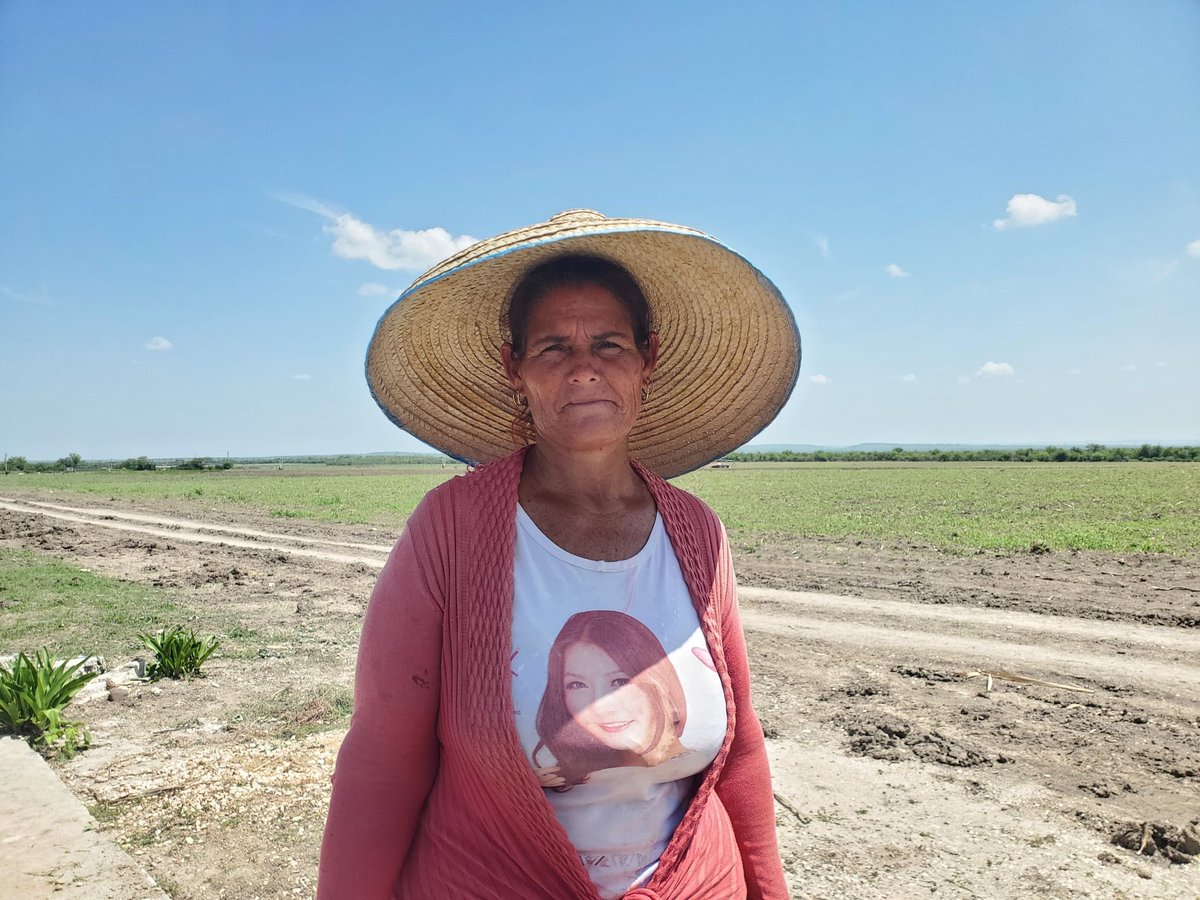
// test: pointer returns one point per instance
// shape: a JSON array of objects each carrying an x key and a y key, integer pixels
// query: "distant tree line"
[
  {"x": 200, "y": 463},
  {"x": 73, "y": 462},
  {"x": 1090, "y": 453},
  {"x": 70, "y": 462},
  {"x": 355, "y": 459}
]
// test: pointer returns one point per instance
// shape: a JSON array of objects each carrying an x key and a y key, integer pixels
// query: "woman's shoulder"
[
  {"x": 680, "y": 507},
  {"x": 459, "y": 512},
  {"x": 475, "y": 490}
]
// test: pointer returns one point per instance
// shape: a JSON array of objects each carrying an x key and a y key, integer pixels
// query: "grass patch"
[
  {"x": 296, "y": 712},
  {"x": 46, "y": 602},
  {"x": 104, "y": 813}
]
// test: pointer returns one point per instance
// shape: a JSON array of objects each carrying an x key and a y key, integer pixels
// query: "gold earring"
[
  {"x": 645, "y": 391},
  {"x": 520, "y": 399}
]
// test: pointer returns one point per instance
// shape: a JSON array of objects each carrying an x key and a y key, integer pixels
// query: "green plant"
[
  {"x": 177, "y": 653},
  {"x": 33, "y": 694}
]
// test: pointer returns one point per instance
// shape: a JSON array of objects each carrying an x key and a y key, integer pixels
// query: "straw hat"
[{"x": 729, "y": 357}]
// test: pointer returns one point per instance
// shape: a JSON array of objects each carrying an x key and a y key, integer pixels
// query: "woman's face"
[
  {"x": 582, "y": 370},
  {"x": 605, "y": 700}
]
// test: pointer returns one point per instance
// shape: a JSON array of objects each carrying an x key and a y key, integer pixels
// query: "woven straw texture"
[{"x": 730, "y": 351}]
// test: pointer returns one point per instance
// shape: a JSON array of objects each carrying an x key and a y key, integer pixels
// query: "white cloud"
[
  {"x": 848, "y": 295},
  {"x": 15, "y": 295},
  {"x": 390, "y": 250},
  {"x": 1129, "y": 368},
  {"x": 1193, "y": 249},
  {"x": 895, "y": 271},
  {"x": 910, "y": 378},
  {"x": 822, "y": 243},
  {"x": 373, "y": 289},
  {"x": 820, "y": 379},
  {"x": 1075, "y": 372},
  {"x": 1160, "y": 365},
  {"x": 1162, "y": 269},
  {"x": 158, "y": 343},
  {"x": 301, "y": 376},
  {"x": 994, "y": 370},
  {"x": 42, "y": 298},
  {"x": 1033, "y": 209}
]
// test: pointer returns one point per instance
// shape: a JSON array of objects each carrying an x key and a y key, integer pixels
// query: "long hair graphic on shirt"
[{"x": 612, "y": 699}]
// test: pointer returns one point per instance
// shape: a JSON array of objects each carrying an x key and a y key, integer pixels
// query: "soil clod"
[
  {"x": 1177, "y": 845},
  {"x": 886, "y": 736}
]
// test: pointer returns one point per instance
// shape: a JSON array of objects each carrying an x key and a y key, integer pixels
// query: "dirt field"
[{"x": 901, "y": 768}]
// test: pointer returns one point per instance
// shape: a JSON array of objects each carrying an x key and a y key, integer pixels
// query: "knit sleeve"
[
  {"x": 389, "y": 758},
  {"x": 745, "y": 783}
]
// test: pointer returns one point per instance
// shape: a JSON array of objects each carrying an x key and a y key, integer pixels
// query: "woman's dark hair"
[{"x": 573, "y": 271}]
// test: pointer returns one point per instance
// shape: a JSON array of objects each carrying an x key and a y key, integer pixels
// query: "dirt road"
[{"x": 965, "y": 727}]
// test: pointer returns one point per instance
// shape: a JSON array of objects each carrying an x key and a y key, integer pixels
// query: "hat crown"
[{"x": 578, "y": 215}]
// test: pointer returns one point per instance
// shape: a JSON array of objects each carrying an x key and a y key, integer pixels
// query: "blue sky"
[{"x": 986, "y": 216}]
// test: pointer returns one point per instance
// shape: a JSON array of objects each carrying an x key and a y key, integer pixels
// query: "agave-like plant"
[
  {"x": 177, "y": 653},
  {"x": 33, "y": 694}
]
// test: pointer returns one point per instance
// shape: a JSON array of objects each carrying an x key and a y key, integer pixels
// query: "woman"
[
  {"x": 435, "y": 791},
  {"x": 612, "y": 698}
]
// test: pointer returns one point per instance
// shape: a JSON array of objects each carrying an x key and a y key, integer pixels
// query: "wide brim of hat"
[{"x": 729, "y": 357}]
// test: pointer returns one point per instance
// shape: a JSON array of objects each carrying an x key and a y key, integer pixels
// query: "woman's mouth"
[
  {"x": 584, "y": 403},
  {"x": 615, "y": 727}
]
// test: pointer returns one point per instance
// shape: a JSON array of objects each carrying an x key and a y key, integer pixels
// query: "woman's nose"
[
  {"x": 606, "y": 697},
  {"x": 583, "y": 369}
]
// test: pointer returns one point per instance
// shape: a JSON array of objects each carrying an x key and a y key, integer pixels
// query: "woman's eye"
[
  {"x": 620, "y": 682},
  {"x": 575, "y": 685}
]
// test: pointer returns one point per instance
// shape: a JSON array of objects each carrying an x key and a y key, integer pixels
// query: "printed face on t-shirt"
[
  {"x": 612, "y": 696},
  {"x": 606, "y": 701}
]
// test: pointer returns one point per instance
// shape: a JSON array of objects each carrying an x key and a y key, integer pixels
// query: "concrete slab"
[{"x": 49, "y": 844}]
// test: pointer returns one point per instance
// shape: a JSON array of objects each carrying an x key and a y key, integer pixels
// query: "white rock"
[
  {"x": 99, "y": 688},
  {"x": 87, "y": 664},
  {"x": 95, "y": 689}
]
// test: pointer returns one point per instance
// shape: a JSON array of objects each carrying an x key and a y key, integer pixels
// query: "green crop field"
[
  {"x": 375, "y": 495},
  {"x": 964, "y": 507},
  {"x": 960, "y": 507}
]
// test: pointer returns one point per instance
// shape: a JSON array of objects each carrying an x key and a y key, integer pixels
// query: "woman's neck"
[{"x": 597, "y": 482}]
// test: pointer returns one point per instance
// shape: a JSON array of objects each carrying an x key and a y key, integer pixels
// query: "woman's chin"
[{"x": 586, "y": 438}]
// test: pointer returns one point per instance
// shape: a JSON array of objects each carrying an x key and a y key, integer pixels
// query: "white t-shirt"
[{"x": 617, "y": 701}]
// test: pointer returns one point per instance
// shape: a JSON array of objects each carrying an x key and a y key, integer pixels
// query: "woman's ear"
[
  {"x": 650, "y": 354},
  {"x": 511, "y": 366}
]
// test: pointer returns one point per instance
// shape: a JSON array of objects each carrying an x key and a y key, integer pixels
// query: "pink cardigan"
[{"x": 432, "y": 794}]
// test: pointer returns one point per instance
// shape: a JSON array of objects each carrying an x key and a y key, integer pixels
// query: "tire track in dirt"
[
  {"x": 202, "y": 532},
  {"x": 973, "y": 638}
]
